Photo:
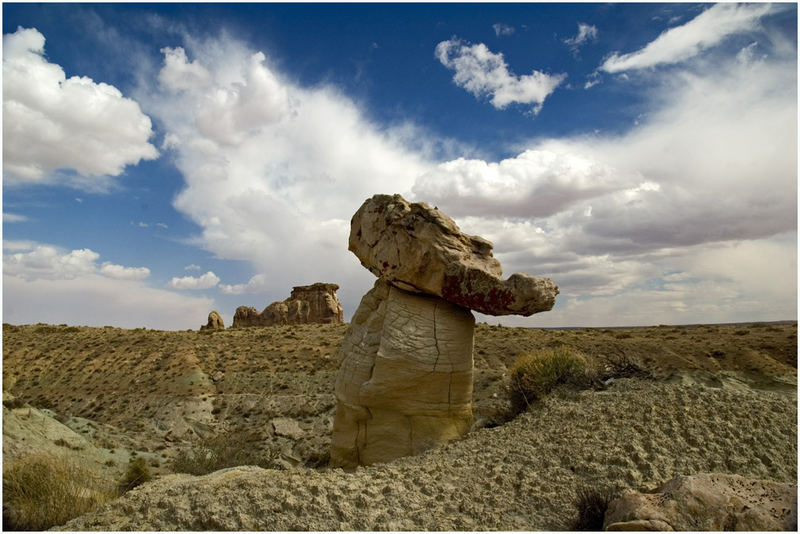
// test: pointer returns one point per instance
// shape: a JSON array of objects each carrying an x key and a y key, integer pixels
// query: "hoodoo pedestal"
[
  {"x": 405, "y": 383},
  {"x": 405, "y": 379}
]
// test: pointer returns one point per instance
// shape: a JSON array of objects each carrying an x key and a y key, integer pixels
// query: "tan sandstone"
[
  {"x": 420, "y": 249},
  {"x": 316, "y": 303},
  {"x": 708, "y": 502},
  {"x": 405, "y": 383},
  {"x": 214, "y": 322}
]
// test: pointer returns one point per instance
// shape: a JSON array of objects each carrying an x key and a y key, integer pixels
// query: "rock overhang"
[{"x": 422, "y": 250}]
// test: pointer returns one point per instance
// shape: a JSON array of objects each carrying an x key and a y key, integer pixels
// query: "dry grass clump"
[
  {"x": 535, "y": 374},
  {"x": 592, "y": 505},
  {"x": 42, "y": 491},
  {"x": 220, "y": 452},
  {"x": 138, "y": 473}
]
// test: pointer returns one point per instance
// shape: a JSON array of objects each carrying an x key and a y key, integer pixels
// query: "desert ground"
[{"x": 671, "y": 400}]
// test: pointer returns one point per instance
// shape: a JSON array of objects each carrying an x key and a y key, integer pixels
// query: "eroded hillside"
[{"x": 156, "y": 391}]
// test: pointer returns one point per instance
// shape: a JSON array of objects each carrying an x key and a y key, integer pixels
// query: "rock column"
[
  {"x": 405, "y": 379},
  {"x": 405, "y": 384}
]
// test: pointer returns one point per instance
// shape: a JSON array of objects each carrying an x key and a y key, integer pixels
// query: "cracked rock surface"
[
  {"x": 420, "y": 249},
  {"x": 405, "y": 382},
  {"x": 710, "y": 502}
]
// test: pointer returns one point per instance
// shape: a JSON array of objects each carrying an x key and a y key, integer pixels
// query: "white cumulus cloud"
[
  {"x": 120, "y": 272},
  {"x": 36, "y": 261},
  {"x": 51, "y": 122},
  {"x": 708, "y": 177},
  {"x": 484, "y": 73},
  {"x": 46, "y": 261},
  {"x": 205, "y": 281},
  {"x": 256, "y": 284},
  {"x": 536, "y": 183},
  {"x": 677, "y": 44},
  {"x": 275, "y": 175},
  {"x": 44, "y": 283}
]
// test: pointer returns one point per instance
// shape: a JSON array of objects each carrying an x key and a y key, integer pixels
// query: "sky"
[{"x": 164, "y": 160}]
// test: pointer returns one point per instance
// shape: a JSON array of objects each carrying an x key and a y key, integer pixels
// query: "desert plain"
[{"x": 669, "y": 401}]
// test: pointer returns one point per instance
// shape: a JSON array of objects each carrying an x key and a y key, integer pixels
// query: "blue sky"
[{"x": 164, "y": 160}]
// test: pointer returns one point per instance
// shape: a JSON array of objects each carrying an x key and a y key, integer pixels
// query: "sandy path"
[{"x": 520, "y": 476}]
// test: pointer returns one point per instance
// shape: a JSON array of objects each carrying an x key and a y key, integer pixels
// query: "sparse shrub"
[
  {"x": 592, "y": 505},
  {"x": 16, "y": 402},
  {"x": 222, "y": 451},
  {"x": 535, "y": 374},
  {"x": 620, "y": 366},
  {"x": 138, "y": 473},
  {"x": 61, "y": 442},
  {"x": 42, "y": 491}
]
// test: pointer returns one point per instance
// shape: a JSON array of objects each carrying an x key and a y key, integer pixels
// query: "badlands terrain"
[{"x": 671, "y": 401}]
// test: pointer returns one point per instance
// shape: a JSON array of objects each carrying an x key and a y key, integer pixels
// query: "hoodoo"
[{"x": 405, "y": 379}]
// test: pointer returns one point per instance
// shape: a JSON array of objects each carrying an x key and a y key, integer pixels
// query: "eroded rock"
[
  {"x": 405, "y": 379},
  {"x": 316, "y": 303},
  {"x": 287, "y": 427},
  {"x": 214, "y": 322},
  {"x": 420, "y": 249},
  {"x": 708, "y": 502},
  {"x": 246, "y": 316},
  {"x": 405, "y": 382}
]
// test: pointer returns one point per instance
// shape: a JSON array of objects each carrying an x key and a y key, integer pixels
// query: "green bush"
[
  {"x": 535, "y": 374},
  {"x": 42, "y": 491},
  {"x": 220, "y": 452},
  {"x": 138, "y": 473}
]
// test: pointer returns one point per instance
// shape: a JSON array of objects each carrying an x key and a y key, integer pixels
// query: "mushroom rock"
[
  {"x": 420, "y": 249},
  {"x": 214, "y": 322},
  {"x": 405, "y": 379}
]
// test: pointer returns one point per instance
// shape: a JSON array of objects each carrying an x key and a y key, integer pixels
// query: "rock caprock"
[{"x": 405, "y": 380}]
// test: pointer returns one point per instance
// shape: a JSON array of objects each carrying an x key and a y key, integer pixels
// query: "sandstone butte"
[
  {"x": 405, "y": 380},
  {"x": 316, "y": 303}
]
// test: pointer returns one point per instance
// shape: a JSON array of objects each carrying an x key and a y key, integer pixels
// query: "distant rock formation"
[
  {"x": 246, "y": 316},
  {"x": 708, "y": 502},
  {"x": 214, "y": 322},
  {"x": 316, "y": 303},
  {"x": 405, "y": 380}
]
